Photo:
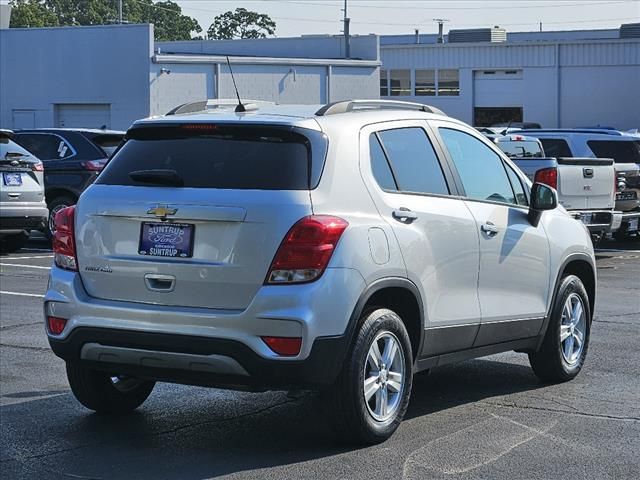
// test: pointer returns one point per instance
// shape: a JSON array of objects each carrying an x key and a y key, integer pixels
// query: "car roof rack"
[
  {"x": 210, "y": 104},
  {"x": 353, "y": 105},
  {"x": 599, "y": 131}
]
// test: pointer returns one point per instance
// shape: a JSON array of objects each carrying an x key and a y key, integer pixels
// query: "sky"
[{"x": 301, "y": 17}]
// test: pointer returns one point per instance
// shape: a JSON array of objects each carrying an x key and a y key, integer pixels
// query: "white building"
[
  {"x": 112, "y": 75},
  {"x": 558, "y": 79}
]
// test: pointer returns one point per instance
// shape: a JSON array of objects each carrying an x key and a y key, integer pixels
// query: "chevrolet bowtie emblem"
[{"x": 162, "y": 211}]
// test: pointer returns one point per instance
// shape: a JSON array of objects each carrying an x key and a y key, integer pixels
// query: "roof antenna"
[{"x": 240, "y": 107}]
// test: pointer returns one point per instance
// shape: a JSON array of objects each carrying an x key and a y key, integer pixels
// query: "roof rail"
[
  {"x": 351, "y": 105},
  {"x": 204, "y": 105},
  {"x": 599, "y": 131}
]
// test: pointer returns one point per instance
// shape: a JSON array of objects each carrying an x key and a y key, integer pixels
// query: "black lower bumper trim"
[
  {"x": 22, "y": 223},
  {"x": 319, "y": 370}
]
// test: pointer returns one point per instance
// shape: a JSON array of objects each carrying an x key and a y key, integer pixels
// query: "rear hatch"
[
  {"x": 18, "y": 181},
  {"x": 586, "y": 183},
  {"x": 192, "y": 214}
]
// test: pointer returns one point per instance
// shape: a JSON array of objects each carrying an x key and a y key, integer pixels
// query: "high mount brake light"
[
  {"x": 306, "y": 250},
  {"x": 64, "y": 241}
]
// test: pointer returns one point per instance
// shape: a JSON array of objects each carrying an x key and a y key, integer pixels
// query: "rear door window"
[
  {"x": 413, "y": 160},
  {"x": 625, "y": 151},
  {"x": 45, "y": 146},
  {"x": 216, "y": 156},
  {"x": 556, "y": 147},
  {"x": 380, "y": 165}
]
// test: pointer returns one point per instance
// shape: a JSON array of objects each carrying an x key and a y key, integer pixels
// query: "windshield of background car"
[
  {"x": 219, "y": 156},
  {"x": 8, "y": 146},
  {"x": 521, "y": 149},
  {"x": 621, "y": 151}
]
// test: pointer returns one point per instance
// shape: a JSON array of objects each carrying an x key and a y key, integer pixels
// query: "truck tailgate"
[{"x": 586, "y": 183}]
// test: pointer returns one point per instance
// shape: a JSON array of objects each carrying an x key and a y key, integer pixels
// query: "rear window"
[
  {"x": 521, "y": 149},
  {"x": 107, "y": 143},
  {"x": 10, "y": 150},
  {"x": 620, "y": 151},
  {"x": 216, "y": 156},
  {"x": 555, "y": 147}
]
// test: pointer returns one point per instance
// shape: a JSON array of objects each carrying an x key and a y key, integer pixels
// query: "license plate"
[
  {"x": 586, "y": 218},
  {"x": 633, "y": 225},
  {"x": 166, "y": 240},
  {"x": 12, "y": 179},
  {"x": 626, "y": 196}
]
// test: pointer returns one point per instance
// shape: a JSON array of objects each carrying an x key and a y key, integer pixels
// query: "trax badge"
[{"x": 162, "y": 211}]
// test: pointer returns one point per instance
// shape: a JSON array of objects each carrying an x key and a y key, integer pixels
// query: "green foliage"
[
  {"x": 241, "y": 23},
  {"x": 31, "y": 13},
  {"x": 166, "y": 15}
]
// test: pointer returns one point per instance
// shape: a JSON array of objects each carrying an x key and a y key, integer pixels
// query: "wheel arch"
[
  {"x": 582, "y": 266},
  {"x": 397, "y": 294},
  {"x": 57, "y": 192}
]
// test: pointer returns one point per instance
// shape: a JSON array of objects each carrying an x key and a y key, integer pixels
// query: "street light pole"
[{"x": 120, "y": 12}]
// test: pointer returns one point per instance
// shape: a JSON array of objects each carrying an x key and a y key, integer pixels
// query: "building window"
[
  {"x": 400, "y": 83},
  {"x": 448, "y": 83},
  {"x": 384, "y": 83},
  {"x": 425, "y": 83}
]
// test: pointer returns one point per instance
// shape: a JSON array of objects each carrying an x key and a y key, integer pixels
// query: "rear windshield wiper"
[
  {"x": 169, "y": 178},
  {"x": 9, "y": 155}
]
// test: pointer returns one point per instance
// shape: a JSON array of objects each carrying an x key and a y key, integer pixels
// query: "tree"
[
  {"x": 166, "y": 15},
  {"x": 241, "y": 23},
  {"x": 31, "y": 13}
]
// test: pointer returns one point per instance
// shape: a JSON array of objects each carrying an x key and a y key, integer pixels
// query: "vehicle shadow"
[{"x": 216, "y": 434}]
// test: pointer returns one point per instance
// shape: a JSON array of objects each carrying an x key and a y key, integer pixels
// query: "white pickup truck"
[
  {"x": 622, "y": 147},
  {"x": 586, "y": 186}
]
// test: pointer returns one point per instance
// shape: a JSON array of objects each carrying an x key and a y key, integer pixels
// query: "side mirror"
[{"x": 543, "y": 197}]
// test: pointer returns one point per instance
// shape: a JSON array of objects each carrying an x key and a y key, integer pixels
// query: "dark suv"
[{"x": 72, "y": 159}]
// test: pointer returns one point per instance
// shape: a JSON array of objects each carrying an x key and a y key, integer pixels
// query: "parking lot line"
[
  {"x": 24, "y": 266},
  {"x": 29, "y": 258},
  {"x": 617, "y": 250},
  {"x": 2, "y": 292},
  {"x": 36, "y": 249}
]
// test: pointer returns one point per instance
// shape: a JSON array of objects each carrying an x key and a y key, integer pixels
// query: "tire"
[
  {"x": 353, "y": 418},
  {"x": 13, "y": 242},
  {"x": 105, "y": 393},
  {"x": 560, "y": 360},
  {"x": 55, "y": 205}
]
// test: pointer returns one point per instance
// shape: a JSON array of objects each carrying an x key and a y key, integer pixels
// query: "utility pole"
[
  {"x": 120, "y": 12},
  {"x": 347, "y": 21},
  {"x": 540, "y": 26},
  {"x": 441, "y": 22}
]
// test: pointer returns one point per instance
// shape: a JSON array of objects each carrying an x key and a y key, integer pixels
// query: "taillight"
[
  {"x": 94, "y": 165},
  {"x": 37, "y": 167},
  {"x": 306, "y": 250},
  {"x": 56, "y": 325},
  {"x": 548, "y": 176},
  {"x": 285, "y": 346},
  {"x": 64, "y": 242}
]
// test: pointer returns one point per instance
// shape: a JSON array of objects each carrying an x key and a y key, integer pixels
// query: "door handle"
[
  {"x": 404, "y": 215},
  {"x": 489, "y": 228}
]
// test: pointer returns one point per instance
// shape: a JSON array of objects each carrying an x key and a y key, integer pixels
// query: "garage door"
[
  {"x": 94, "y": 115},
  {"x": 498, "y": 88}
]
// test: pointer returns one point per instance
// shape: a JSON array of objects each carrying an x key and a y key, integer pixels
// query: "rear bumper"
[
  {"x": 630, "y": 222},
  {"x": 205, "y": 346},
  {"x": 599, "y": 221},
  {"x": 196, "y": 360},
  {"x": 21, "y": 217}
]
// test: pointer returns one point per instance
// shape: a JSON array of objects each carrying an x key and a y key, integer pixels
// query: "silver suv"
[
  {"x": 22, "y": 205},
  {"x": 341, "y": 249}
]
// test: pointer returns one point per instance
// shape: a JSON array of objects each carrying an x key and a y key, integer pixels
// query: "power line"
[{"x": 438, "y": 7}]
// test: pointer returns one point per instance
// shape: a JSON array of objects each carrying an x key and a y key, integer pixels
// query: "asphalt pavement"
[{"x": 488, "y": 418}]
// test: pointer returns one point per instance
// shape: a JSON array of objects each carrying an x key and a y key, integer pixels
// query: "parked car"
[
  {"x": 586, "y": 186},
  {"x": 622, "y": 147},
  {"x": 72, "y": 158},
  {"x": 527, "y": 125},
  {"x": 22, "y": 205},
  {"x": 340, "y": 248}
]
